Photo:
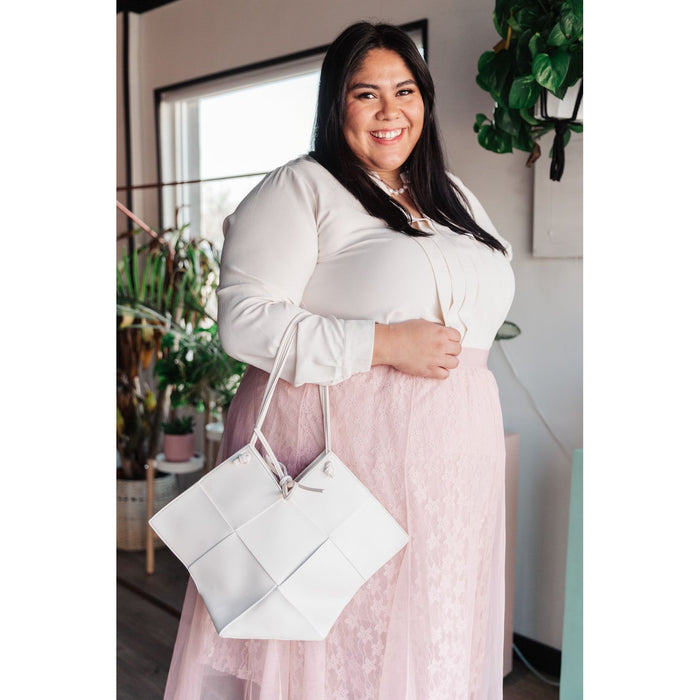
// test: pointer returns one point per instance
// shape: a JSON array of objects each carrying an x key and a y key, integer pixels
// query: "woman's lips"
[{"x": 387, "y": 136}]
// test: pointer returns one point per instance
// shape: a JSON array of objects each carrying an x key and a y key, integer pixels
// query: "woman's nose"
[{"x": 388, "y": 110}]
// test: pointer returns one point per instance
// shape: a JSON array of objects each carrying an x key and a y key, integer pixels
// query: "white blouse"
[{"x": 300, "y": 240}]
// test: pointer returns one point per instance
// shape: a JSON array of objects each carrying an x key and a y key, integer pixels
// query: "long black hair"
[{"x": 433, "y": 191}]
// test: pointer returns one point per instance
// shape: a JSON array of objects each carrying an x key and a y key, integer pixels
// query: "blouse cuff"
[
  {"x": 359, "y": 347},
  {"x": 330, "y": 350}
]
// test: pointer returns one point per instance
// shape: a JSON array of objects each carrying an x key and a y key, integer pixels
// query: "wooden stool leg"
[{"x": 150, "y": 500}]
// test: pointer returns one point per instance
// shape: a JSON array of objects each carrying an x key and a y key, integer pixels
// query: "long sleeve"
[{"x": 269, "y": 254}]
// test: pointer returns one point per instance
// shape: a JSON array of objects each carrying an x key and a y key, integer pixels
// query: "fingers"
[
  {"x": 451, "y": 344},
  {"x": 453, "y": 334},
  {"x": 440, "y": 373},
  {"x": 419, "y": 347},
  {"x": 450, "y": 362},
  {"x": 451, "y": 347},
  {"x": 447, "y": 348}
]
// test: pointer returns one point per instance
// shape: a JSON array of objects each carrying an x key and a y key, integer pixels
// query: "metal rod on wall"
[
  {"x": 127, "y": 121},
  {"x": 186, "y": 182}
]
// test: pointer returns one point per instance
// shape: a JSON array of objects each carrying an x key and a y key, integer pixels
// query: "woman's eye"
[
  {"x": 366, "y": 95},
  {"x": 406, "y": 91}
]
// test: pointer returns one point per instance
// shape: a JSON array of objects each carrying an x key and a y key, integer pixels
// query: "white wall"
[{"x": 191, "y": 38}]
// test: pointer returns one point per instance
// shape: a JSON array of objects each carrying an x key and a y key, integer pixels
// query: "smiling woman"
[
  {"x": 383, "y": 114},
  {"x": 403, "y": 282}
]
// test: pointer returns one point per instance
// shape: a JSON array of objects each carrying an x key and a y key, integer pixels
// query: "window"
[{"x": 219, "y": 135}]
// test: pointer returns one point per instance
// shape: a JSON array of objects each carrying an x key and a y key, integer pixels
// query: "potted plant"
[
  {"x": 201, "y": 375},
  {"x": 178, "y": 438},
  {"x": 163, "y": 288},
  {"x": 539, "y": 57}
]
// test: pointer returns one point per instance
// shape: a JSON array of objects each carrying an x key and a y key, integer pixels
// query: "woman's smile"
[{"x": 387, "y": 136}]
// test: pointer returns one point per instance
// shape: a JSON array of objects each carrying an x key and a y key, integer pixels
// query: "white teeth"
[{"x": 388, "y": 135}]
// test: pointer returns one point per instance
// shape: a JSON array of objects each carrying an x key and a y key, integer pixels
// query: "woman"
[{"x": 406, "y": 282}]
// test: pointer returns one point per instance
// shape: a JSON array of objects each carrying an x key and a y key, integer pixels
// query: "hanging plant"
[{"x": 540, "y": 54}]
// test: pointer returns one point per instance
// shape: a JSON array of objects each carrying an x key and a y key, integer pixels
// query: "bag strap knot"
[{"x": 287, "y": 484}]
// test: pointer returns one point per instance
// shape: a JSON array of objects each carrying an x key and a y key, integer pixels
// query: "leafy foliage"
[
  {"x": 165, "y": 291},
  {"x": 541, "y": 48},
  {"x": 198, "y": 370},
  {"x": 180, "y": 425},
  {"x": 168, "y": 281}
]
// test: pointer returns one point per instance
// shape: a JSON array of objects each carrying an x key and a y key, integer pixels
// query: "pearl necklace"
[{"x": 391, "y": 190}]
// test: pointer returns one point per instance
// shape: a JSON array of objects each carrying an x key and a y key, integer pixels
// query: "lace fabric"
[{"x": 429, "y": 624}]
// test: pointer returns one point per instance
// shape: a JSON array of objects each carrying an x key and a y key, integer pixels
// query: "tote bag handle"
[{"x": 275, "y": 373}]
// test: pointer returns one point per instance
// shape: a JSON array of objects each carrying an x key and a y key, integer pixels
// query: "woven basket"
[{"x": 131, "y": 509}]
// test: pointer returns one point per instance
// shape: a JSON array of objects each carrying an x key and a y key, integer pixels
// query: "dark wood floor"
[{"x": 148, "y": 609}]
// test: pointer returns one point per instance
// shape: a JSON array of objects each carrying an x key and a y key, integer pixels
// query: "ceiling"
[{"x": 140, "y": 6}]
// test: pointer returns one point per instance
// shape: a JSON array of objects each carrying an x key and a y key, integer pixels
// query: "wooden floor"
[{"x": 148, "y": 608}]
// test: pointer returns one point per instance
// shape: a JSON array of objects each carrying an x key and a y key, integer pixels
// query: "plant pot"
[
  {"x": 178, "y": 448},
  {"x": 131, "y": 509},
  {"x": 561, "y": 109}
]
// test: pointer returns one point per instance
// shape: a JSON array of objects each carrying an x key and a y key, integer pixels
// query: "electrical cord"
[
  {"x": 531, "y": 668},
  {"x": 568, "y": 452}
]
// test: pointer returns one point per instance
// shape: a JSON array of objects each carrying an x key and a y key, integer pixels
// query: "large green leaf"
[
  {"x": 523, "y": 58},
  {"x": 508, "y": 120},
  {"x": 537, "y": 45},
  {"x": 550, "y": 71},
  {"x": 501, "y": 13},
  {"x": 577, "y": 7},
  {"x": 557, "y": 37},
  {"x": 485, "y": 64},
  {"x": 575, "y": 70},
  {"x": 523, "y": 92},
  {"x": 523, "y": 139},
  {"x": 480, "y": 119},
  {"x": 495, "y": 73},
  {"x": 495, "y": 140},
  {"x": 571, "y": 20},
  {"x": 528, "y": 116},
  {"x": 523, "y": 18}
]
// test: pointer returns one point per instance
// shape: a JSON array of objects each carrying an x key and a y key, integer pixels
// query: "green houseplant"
[
  {"x": 201, "y": 375},
  {"x": 164, "y": 290},
  {"x": 179, "y": 425},
  {"x": 162, "y": 286},
  {"x": 540, "y": 54},
  {"x": 178, "y": 438}
]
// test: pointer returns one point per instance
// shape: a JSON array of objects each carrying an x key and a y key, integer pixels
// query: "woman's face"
[{"x": 383, "y": 113}]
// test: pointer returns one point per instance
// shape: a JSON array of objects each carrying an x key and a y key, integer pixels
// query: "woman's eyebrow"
[{"x": 369, "y": 86}]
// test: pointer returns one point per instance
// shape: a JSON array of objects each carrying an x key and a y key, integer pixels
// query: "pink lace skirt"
[{"x": 429, "y": 624}]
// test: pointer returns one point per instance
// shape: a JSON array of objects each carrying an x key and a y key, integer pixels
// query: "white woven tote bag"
[{"x": 275, "y": 557}]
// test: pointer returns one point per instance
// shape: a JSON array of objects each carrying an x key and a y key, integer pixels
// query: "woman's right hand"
[{"x": 419, "y": 347}]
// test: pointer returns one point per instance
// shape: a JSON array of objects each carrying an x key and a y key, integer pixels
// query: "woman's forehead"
[{"x": 381, "y": 68}]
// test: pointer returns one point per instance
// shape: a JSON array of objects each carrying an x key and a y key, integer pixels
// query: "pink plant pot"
[{"x": 178, "y": 448}]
